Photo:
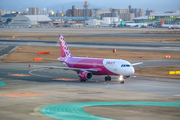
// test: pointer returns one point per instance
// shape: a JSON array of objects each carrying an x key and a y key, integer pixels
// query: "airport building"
[
  {"x": 168, "y": 18},
  {"x": 24, "y": 20}
]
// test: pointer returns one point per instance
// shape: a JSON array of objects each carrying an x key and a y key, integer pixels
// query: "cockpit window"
[{"x": 125, "y": 65}]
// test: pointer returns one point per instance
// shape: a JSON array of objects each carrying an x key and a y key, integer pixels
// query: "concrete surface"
[
  {"x": 48, "y": 87},
  {"x": 26, "y": 90}
]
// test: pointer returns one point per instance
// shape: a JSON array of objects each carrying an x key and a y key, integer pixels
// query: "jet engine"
[
  {"x": 85, "y": 75},
  {"x": 125, "y": 77}
]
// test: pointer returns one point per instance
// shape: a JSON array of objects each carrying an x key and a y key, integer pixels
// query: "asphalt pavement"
[{"x": 100, "y": 45}]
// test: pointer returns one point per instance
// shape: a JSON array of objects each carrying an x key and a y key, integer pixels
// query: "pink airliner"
[{"x": 87, "y": 67}]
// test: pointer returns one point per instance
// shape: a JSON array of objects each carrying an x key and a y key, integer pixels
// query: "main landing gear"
[
  {"x": 107, "y": 78},
  {"x": 81, "y": 80}
]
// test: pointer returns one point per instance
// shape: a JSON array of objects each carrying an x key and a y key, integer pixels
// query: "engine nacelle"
[
  {"x": 85, "y": 75},
  {"x": 125, "y": 77}
]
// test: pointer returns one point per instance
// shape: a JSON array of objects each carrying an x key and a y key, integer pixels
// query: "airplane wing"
[
  {"x": 40, "y": 59},
  {"x": 64, "y": 68},
  {"x": 53, "y": 60},
  {"x": 137, "y": 63}
]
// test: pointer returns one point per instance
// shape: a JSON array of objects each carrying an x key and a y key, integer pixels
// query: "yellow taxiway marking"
[
  {"x": 64, "y": 79},
  {"x": 20, "y": 94},
  {"x": 17, "y": 75}
]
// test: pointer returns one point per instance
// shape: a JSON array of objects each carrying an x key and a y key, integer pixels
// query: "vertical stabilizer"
[
  {"x": 123, "y": 23},
  {"x": 64, "y": 49},
  {"x": 162, "y": 23}
]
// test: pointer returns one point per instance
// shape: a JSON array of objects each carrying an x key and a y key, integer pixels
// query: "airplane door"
[{"x": 115, "y": 69}]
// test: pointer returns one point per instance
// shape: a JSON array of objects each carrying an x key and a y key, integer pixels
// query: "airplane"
[
  {"x": 169, "y": 26},
  {"x": 87, "y": 67},
  {"x": 133, "y": 24}
]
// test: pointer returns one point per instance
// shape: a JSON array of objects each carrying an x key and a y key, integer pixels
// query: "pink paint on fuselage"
[{"x": 89, "y": 63}]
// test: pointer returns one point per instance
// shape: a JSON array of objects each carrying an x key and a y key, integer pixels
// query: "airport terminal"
[{"x": 87, "y": 63}]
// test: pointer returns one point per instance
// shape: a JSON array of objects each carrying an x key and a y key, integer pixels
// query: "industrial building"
[
  {"x": 78, "y": 12},
  {"x": 98, "y": 13},
  {"x": 110, "y": 20},
  {"x": 124, "y": 14},
  {"x": 33, "y": 11},
  {"x": 148, "y": 12},
  {"x": 3, "y": 12},
  {"x": 24, "y": 20},
  {"x": 108, "y": 15},
  {"x": 168, "y": 18},
  {"x": 127, "y": 16},
  {"x": 93, "y": 23},
  {"x": 0, "y": 16}
]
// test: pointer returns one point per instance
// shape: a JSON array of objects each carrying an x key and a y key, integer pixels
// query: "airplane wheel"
[
  {"x": 106, "y": 78},
  {"x": 121, "y": 82},
  {"x": 109, "y": 78},
  {"x": 80, "y": 80}
]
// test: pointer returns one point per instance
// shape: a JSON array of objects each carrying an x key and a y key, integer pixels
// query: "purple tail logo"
[{"x": 64, "y": 49}]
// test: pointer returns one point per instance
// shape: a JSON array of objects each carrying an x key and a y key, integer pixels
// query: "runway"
[
  {"x": 99, "y": 45},
  {"x": 105, "y": 30}
]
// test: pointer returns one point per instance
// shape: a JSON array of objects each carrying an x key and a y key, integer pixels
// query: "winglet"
[{"x": 29, "y": 65}]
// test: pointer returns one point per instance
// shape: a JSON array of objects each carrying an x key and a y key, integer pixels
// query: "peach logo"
[
  {"x": 65, "y": 48},
  {"x": 110, "y": 63}
]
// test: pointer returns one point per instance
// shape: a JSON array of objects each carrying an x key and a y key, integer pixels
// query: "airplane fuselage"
[
  {"x": 104, "y": 66},
  {"x": 171, "y": 26},
  {"x": 136, "y": 24}
]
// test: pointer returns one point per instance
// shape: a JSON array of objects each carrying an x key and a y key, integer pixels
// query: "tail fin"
[
  {"x": 64, "y": 49},
  {"x": 162, "y": 23},
  {"x": 123, "y": 23}
]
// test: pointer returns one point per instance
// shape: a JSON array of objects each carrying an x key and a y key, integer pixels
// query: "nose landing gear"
[
  {"x": 107, "y": 78},
  {"x": 121, "y": 79},
  {"x": 122, "y": 82}
]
